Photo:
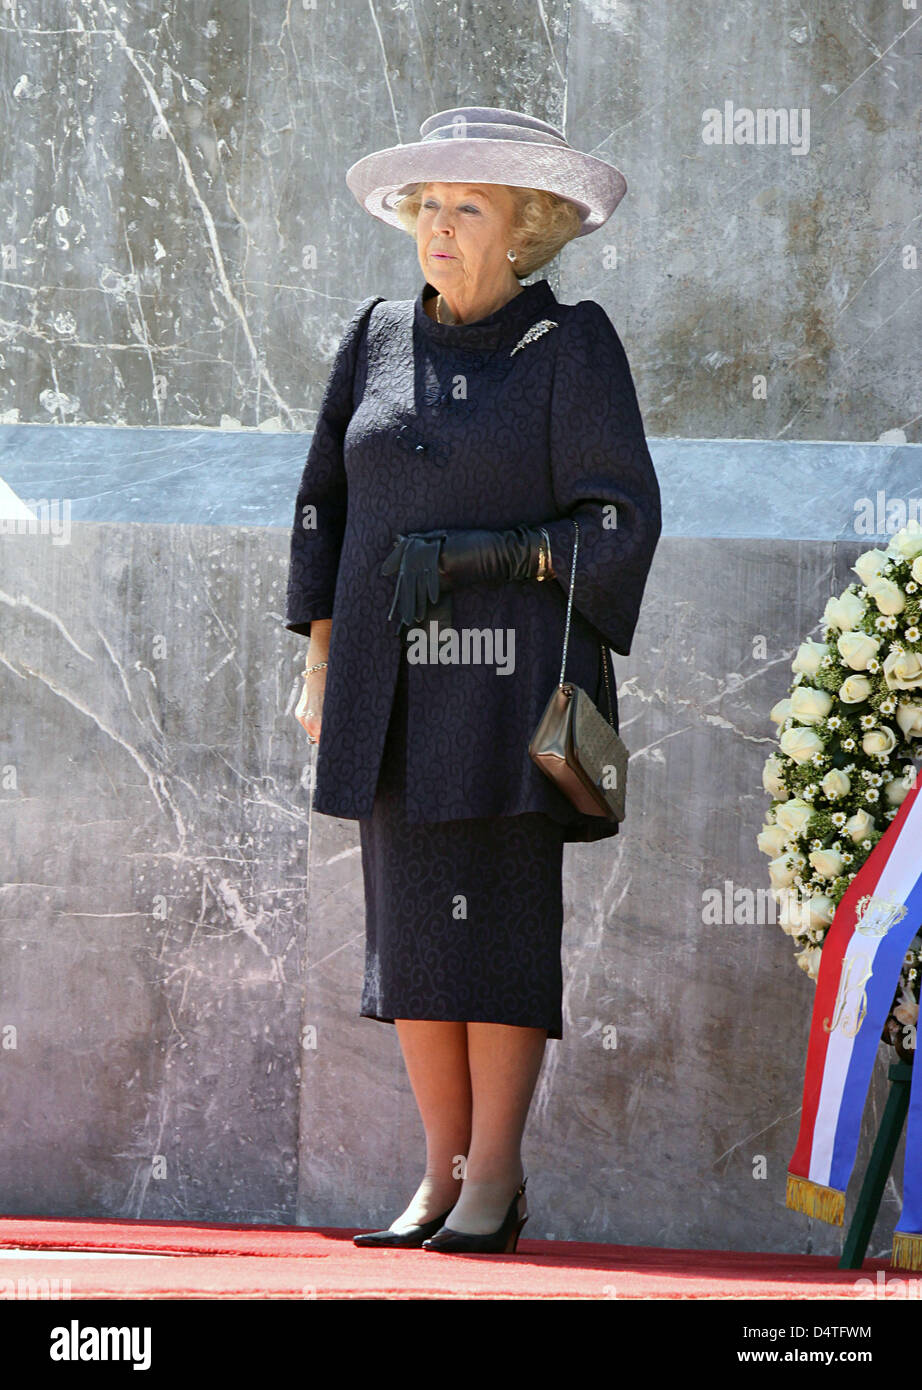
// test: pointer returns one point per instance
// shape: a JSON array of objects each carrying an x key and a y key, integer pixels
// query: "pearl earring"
[{"x": 511, "y": 254}]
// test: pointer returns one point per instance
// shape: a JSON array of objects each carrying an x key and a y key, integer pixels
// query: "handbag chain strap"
[{"x": 566, "y": 634}]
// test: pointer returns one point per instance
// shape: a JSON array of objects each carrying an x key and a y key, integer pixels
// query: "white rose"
[
  {"x": 854, "y": 689},
  {"x": 809, "y": 657},
  {"x": 780, "y": 712},
  {"x": 903, "y": 670},
  {"x": 800, "y": 743},
  {"x": 820, "y": 910},
  {"x": 771, "y": 778},
  {"x": 909, "y": 718},
  {"x": 857, "y": 648},
  {"x": 907, "y": 1010},
  {"x": 836, "y": 783},
  {"x": 827, "y": 862},
  {"x": 896, "y": 791},
  {"x": 809, "y": 959},
  {"x": 844, "y": 612},
  {"x": 860, "y": 826},
  {"x": 916, "y": 570},
  {"x": 772, "y": 839},
  {"x": 869, "y": 565},
  {"x": 881, "y": 740},
  {"x": 810, "y": 705},
  {"x": 781, "y": 871},
  {"x": 888, "y": 596},
  {"x": 793, "y": 915},
  {"x": 794, "y": 816},
  {"x": 908, "y": 542}
]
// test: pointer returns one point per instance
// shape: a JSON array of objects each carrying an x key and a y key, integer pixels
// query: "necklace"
[
  {"x": 529, "y": 336},
  {"x": 438, "y": 301}
]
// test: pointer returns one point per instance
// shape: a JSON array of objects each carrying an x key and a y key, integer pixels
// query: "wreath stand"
[{"x": 881, "y": 1161}]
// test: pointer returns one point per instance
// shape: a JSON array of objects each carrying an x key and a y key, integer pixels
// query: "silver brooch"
[{"x": 534, "y": 332}]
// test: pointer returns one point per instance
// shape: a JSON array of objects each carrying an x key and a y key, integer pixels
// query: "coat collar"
[{"x": 505, "y": 325}]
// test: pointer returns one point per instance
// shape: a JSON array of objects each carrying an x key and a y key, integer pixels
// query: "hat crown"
[
  {"x": 488, "y": 144},
  {"x": 489, "y": 123}
]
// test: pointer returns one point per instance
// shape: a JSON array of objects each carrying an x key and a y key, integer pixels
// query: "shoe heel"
[{"x": 514, "y": 1237}]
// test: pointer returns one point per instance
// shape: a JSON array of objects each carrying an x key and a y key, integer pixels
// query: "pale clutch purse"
[{"x": 576, "y": 746}]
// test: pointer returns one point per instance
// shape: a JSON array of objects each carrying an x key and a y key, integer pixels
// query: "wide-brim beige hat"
[{"x": 488, "y": 144}]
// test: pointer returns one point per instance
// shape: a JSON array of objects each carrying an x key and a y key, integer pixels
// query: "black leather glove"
[
  {"x": 490, "y": 557},
  {"x": 428, "y": 562},
  {"x": 415, "y": 560}
]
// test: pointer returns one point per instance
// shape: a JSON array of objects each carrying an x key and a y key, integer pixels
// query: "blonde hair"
[{"x": 542, "y": 224}]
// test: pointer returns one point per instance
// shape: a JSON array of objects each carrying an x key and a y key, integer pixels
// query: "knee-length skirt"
[{"x": 463, "y": 918}]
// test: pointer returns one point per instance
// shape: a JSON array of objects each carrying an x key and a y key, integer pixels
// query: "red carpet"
[{"x": 233, "y": 1261}]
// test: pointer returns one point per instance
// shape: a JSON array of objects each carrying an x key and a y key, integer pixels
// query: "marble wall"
[
  {"x": 178, "y": 246},
  {"x": 181, "y": 945}
]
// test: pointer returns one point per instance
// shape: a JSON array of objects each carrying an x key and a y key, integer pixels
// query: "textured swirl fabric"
[
  {"x": 528, "y": 416},
  {"x": 463, "y": 918}
]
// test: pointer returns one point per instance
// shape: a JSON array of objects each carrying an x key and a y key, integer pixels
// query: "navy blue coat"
[{"x": 425, "y": 426}]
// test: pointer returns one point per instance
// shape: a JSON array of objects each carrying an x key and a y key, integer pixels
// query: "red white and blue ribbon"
[
  {"x": 860, "y": 967},
  {"x": 907, "y": 1238}
]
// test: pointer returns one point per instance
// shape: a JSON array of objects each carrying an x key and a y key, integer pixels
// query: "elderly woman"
[{"x": 460, "y": 436}]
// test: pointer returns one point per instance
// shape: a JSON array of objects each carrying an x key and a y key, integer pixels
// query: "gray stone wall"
[
  {"x": 179, "y": 248},
  {"x": 181, "y": 946}
]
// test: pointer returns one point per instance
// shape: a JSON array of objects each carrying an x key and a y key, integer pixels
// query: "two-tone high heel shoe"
[
  {"x": 411, "y": 1238},
  {"x": 500, "y": 1242}
]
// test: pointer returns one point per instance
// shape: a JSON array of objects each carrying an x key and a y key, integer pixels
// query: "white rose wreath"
[{"x": 845, "y": 763}]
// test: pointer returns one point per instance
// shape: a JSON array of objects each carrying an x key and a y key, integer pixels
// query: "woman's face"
[{"x": 472, "y": 225}]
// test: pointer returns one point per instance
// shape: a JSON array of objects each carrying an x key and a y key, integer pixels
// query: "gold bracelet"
[
  {"x": 544, "y": 561},
  {"x": 317, "y": 667}
]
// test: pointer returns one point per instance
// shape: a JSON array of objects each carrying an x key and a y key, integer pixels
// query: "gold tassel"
[
  {"x": 826, "y": 1203},
  {"x": 907, "y": 1250}
]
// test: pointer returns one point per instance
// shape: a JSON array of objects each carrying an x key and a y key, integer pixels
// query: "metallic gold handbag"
[{"x": 576, "y": 746}]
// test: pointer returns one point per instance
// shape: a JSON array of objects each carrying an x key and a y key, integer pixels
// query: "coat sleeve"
[
  {"x": 320, "y": 507},
  {"x": 602, "y": 474}
]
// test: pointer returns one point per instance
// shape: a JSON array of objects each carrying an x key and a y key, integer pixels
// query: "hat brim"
[{"x": 595, "y": 187}]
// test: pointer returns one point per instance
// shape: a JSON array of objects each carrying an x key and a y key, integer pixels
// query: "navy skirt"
[{"x": 463, "y": 918}]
